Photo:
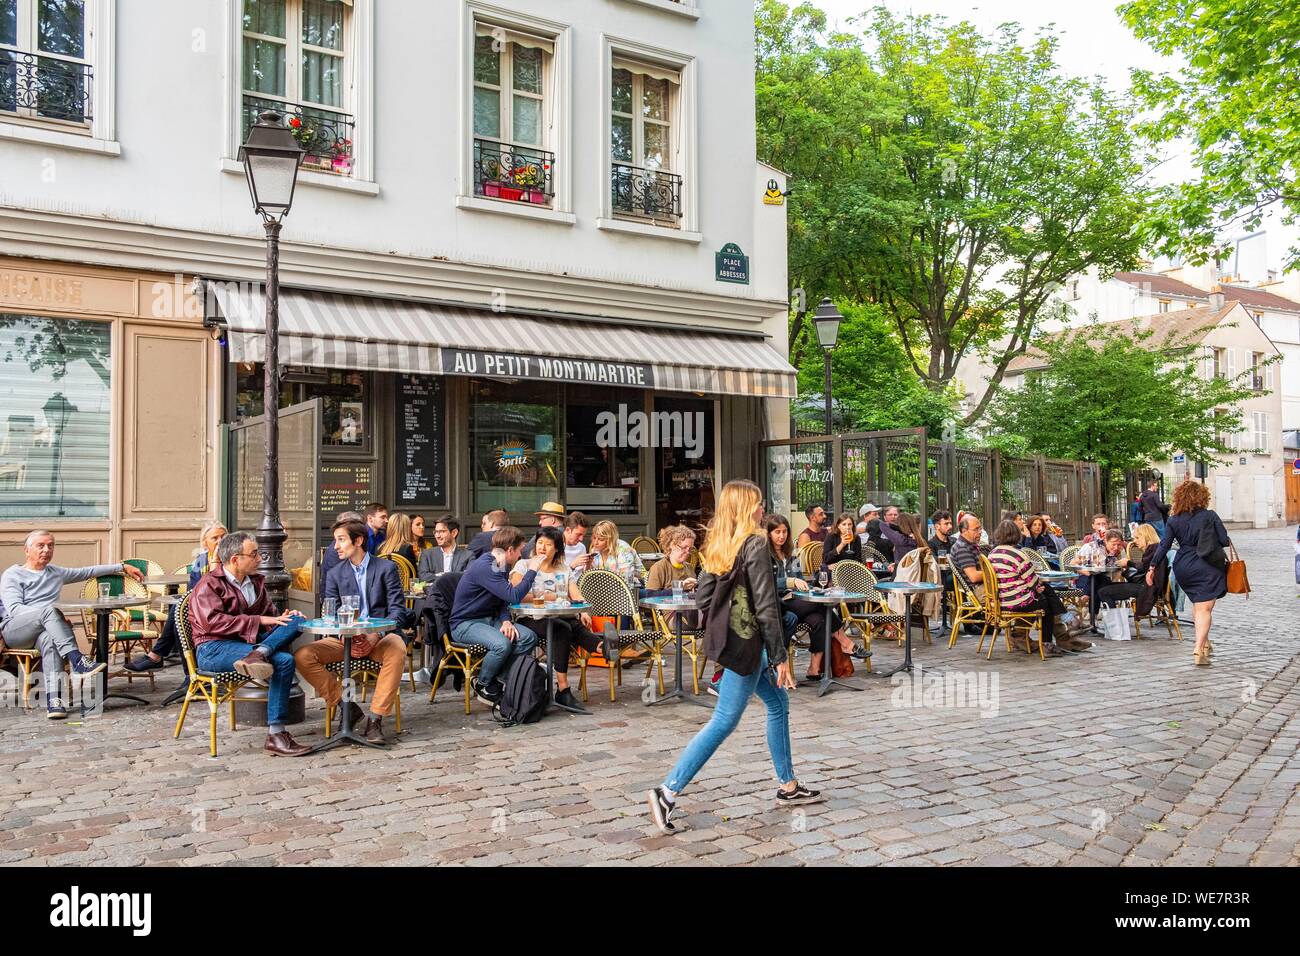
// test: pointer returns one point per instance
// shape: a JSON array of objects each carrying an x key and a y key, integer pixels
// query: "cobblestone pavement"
[{"x": 1127, "y": 754}]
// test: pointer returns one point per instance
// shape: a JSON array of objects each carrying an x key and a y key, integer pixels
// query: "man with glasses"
[
  {"x": 236, "y": 627},
  {"x": 446, "y": 556}
]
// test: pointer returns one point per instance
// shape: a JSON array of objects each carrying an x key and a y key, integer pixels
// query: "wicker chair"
[
  {"x": 1037, "y": 560},
  {"x": 27, "y": 659},
  {"x": 468, "y": 658},
  {"x": 123, "y": 635},
  {"x": 364, "y": 670},
  {"x": 609, "y": 596},
  {"x": 810, "y": 557},
  {"x": 406, "y": 573},
  {"x": 148, "y": 615},
  {"x": 643, "y": 545},
  {"x": 1163, "y": 610},
  {"x": 1000, "y": 618},
  {"x": 856, "y": 577},
  {"x": 692, "y": 647},
  {"x": 872, "y": 555},
  {"x": 967, "y": 607},
  {"x": 214, "y": 688}
]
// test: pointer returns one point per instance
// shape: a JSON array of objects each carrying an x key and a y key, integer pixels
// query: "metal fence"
[{"x": 904, "y": 468}]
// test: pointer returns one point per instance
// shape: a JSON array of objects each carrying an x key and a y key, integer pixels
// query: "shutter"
[
  {"x": 647, "y": 69},
  {"x": 1268, "y": 377},
  {"x": 505, "y": 35},
  {"x": 1264, "y": 429},
  {"x": 1232, "y": 363}
]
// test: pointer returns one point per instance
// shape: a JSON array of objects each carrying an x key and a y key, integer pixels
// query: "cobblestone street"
[{"x": 1126, "y": 754}]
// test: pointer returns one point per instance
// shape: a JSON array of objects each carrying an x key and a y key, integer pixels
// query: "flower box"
[
  {"x": 343, "y": 165},
  {"x": 537, "y": 197}
]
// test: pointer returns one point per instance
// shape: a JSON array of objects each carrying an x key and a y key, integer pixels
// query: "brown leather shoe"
[
  {"x": 374, "y": 730},
  {"x": 282, "y": 745},
  {"x": 255, "y": 666}
]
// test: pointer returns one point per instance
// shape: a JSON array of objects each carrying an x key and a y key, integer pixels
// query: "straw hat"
[{"x": 551, "y": 509}]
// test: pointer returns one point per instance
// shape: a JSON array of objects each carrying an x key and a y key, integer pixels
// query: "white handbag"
[{"x": 1114, "y": 623}]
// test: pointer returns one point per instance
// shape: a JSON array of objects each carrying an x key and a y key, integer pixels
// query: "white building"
[{"x": 488, "y": 184}]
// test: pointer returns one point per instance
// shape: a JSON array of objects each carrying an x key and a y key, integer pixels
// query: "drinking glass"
[
  {"x": 561, "y": 589},
  {"x": 105, "y": 591},
  {"x": 823, "y": 579},
  {"x": 328, "y": 607},
  {"x": 353, "y": 603},
  {"x": 677, "y": 590}
]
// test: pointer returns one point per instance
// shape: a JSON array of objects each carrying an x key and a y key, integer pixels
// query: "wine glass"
[{"x": 823, "y": 578}]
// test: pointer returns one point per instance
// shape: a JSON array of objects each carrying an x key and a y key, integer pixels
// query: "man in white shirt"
[
  {"x": 446, "y": 556},
  {"x": 576, "y": 555}
]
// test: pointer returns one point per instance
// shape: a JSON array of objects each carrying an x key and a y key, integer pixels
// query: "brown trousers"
[{"x": 390, "y": 652}]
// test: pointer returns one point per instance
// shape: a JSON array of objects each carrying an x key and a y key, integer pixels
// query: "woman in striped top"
[{"x": 1020, "y": 590}]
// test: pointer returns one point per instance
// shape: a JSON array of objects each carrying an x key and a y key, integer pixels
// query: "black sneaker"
[
  {"x": 487, "y": 694},
  {"x": 85, "y": 667},
  {"x": 609, "y": 643},
  {"x": 565, "y": 698},
  {"x": 661, "y": 809},
  {"x": 800, "y": 794},
  {"x": 143, "y": 663},
  {"x": 55, "y": 709}
]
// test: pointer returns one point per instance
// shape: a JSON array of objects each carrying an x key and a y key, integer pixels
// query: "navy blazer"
[{"x": 383, "y": 588}]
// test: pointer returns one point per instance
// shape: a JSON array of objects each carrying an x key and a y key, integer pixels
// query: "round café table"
[
  {"x": 170, "y": 583},
  {"x": 424, "y": 675},
  {"x": 907, "y": 590},
  {"x": 548, "y": 613},
  {"x": 323, "y": 628},
  {"x": 822, "y": 597},
  {"x": 103, "y": 609},
  {"x": 666, "y": 605},
  {"x": 1090, "y": 571}
]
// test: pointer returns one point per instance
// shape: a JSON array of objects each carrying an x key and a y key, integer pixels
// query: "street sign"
[
  {"x": 1179, "y": 458},
  {"x": 731, "y": 265}
]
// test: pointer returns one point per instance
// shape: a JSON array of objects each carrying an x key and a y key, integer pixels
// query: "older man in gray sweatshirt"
[{"x": 29, "y": 593}]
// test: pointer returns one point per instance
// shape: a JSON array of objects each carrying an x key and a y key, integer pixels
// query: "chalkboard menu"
[
  {"x": 421, "y": 441},
  {"x": 344, "y": 486}
]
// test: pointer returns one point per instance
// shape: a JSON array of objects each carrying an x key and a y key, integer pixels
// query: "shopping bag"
[{"x": 1114, "y": 623}]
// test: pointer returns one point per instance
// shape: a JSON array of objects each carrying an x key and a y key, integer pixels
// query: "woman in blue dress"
[{"x": 1202, "y": 581}]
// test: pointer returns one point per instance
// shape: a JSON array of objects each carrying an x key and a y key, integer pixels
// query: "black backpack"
[{"x": 524, "y": 699}]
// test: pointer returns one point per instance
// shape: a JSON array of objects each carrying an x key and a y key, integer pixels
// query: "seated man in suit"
[
  {"x": 446, "y": 557},
  {"x": 236, "y": 627},
  {"x": 330, "y": 559},
  {"x": 378, "y": 585},
  {"x": 481, "y": 543}
]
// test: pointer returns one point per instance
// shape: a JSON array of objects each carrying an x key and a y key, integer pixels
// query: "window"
[
  {"x": 296, "y": 60},
  {"x": 512, "y": 115},
  {"x": 45, "y": 67},
  {"x": 1260, "y": 422},
  {"x": 1074, "y": 290},
  {"x": 343, "y": 395},
  {"x": 55, "y": 389},
  {"x": 643, "y": 142},
  {"x": 1227, "y": 428},
  {"x": 1164, "y": 305}
]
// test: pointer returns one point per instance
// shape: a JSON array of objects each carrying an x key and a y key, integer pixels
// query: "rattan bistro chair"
[
  {"x": 692, "y": 647},
  {"x": 856, "y": 577},
  {"x": 609, "y": 596},
  {"x": 213, "y": 687},
  {"x": 968, "y": 608},
  {"x": 466, "y": 658},
  {"x": 406, "y": 573},
  {"x": 1000, "y": 618},
  {"x": 27, "y": 659},
  {"x": 643, "y": 545},
  {"x": 810, "y": 558},
  {"x": 1163, "y": 609},
  {"x": 871, "y": 554},
  {"x": 123, "y": 634},
  {"x": 364, "y": 670}
]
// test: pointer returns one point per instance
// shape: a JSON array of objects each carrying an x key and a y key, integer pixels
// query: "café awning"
[{"x": 333, "y": 330}]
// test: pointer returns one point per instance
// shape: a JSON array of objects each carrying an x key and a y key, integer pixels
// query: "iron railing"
[
  {"x": 518, "y": 173},
  {"x": 652, "y": 193},
  {"x": 325, "y": 134},
  {"x": 45, "y": 86}
]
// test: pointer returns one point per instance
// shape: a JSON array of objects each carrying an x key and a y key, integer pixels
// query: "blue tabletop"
[{"x": 902, "y": 586}]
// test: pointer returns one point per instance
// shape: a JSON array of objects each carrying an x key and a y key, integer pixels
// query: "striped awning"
[{"x": 333, "y": 330}]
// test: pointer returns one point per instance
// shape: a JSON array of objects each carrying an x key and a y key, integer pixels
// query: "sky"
[{"x": 1095, "y": 41}]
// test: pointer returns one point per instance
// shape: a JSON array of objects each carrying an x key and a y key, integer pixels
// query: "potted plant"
[
  {"x": 343, "y": 157},
  {"x": 304, "y": 131},
  {"x": 529, "y": 175}
]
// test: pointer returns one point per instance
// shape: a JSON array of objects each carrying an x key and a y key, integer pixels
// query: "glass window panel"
[
  {"x": 654, "y": 99},
  {"x": 9, "y": 22},
  {"x": 622, "y": 91},
  {"x": 487, "y": 62},
  {"x": 54, "y": 417},
  {"x": 621, "y": 139},
  {"x": 516, "y": 444},
  {"x": 61, "y": 27},
  {"x": 263, "y": 67},
  {"x": 656, "y": 146},
  {"x": 322, "y": 80},
  {"x": 601, "y": 476},
  {"x": 487, "y": 112},
  {"x": 61, "y": 90},
  {"x": 527, "y": 69},
  {"x": 8, "y": 81},
  {"x": 322, "y": 23},
  {"x": 265, "y": 16},
  {"x": 527, "y": 121}
]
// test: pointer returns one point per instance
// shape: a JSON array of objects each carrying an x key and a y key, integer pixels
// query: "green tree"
[
  {"x": 1117, "y": 395},
  {"x": 1235, "y": 101},
  {"x": 954, "y": 179}
]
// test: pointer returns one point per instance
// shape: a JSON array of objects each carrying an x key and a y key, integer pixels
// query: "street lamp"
[
  {"x": 271, "y": 158},
  {"x": 827, "y": 320}
]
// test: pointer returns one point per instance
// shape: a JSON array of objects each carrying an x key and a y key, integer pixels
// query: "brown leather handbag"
[
  {"x": 841, "y": 663},
  {"x": 1238, "y": 583}
]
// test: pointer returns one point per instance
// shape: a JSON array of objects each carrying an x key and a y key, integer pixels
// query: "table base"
[
  {"x": 679, "y": 689},
  {"x": 130, "y": 697},
  {"x": 348, "y": 736},
  {"x": 679, "y": 693}
]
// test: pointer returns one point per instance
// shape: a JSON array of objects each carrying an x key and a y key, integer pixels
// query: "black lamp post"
[
  {"x": 271, "y": 157},
  {"x": 827, "y": 320}
]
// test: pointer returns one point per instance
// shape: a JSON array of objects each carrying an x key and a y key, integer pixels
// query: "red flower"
[{"x": 295, "y": 122}]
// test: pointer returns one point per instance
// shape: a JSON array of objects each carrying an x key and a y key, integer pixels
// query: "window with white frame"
[
  {"x": 296, "y": 59},
  {"x": 1260, "y": 421},
  {"x": 513, "y": 109},
  {"x": 46, "y": 73},
  {"x": 644, "y": 181}
]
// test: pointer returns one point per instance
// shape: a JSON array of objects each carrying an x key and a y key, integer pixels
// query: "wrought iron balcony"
[
  {"x": 652, "y": 193},
  {"x": 325, "y": 134},
  {"x": 44, "y": 86},
  {"x": 518, "y": 173}
]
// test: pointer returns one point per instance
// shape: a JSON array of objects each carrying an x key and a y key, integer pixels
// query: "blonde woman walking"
[{"x": 736, "y": 594}]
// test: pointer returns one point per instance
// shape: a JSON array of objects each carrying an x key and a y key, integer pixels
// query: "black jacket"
[
  {"x": 1153, "y": 509},
  {"x": 753, "y": 569}
]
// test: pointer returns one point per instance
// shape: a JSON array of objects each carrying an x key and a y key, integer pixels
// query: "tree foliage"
[
  {"x": 1236, "y": 102},
  {"x": 953, "y": 179},
  {"x": 1114, "y": 395}
]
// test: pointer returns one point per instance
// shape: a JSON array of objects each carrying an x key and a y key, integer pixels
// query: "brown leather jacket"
[{"x": 218, "y": 610}]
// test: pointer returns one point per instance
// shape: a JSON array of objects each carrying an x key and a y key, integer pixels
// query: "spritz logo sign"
[
  {"x": 75, "y": 909},
  {"x": 513, "y": 456},
  {"x": 628, "y": 429}
]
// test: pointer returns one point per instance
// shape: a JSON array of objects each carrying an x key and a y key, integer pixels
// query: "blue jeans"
[
  {"x": 1159, "y": 526},
  {"x": 486, "y": 631},
  {"x": 789, "y": 621},
  {"x": 734, "y": 692},
  {"x": 221, "y": 655}
]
